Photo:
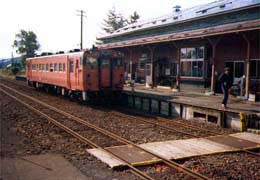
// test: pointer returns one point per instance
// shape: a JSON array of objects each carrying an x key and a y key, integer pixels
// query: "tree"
[
  {"x": 114, "y": 21},
  {"x": 134, "y": 18},
  {"x": 26, "y": 44}
]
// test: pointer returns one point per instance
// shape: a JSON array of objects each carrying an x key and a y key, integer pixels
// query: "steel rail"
[
  {"x": 194, "y": 127},
  {"x": 155, "y": 123},
  {"x": 79, "y": 137},
  {"x": 176, "y": 122},
  {"x": 182, "y": 124},
  {"x": 116, "y": 137}
]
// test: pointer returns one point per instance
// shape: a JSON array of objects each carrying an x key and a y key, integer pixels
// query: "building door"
[
  {"x": 237, "y": 68},
  {"x": 148, "y": 74}
]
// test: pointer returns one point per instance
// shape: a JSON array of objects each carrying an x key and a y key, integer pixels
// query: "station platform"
[
  {"x": 177, "y": 149},
  {"x": 188, "y": 105}
]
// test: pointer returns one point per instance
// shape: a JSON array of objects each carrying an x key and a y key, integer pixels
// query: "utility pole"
[{"x": 82, "y": 14}]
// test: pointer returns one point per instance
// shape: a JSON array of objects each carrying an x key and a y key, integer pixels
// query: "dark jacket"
[{"x": 226, "y": 80}]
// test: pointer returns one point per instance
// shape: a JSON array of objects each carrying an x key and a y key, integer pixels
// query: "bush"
[{"x": 15, "y": 70}]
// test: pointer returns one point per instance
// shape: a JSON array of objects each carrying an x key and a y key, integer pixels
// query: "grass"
[{"x": 8, "y": 73}]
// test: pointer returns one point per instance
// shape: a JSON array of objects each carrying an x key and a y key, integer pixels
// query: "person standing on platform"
[{"x": 226, "y": 83}]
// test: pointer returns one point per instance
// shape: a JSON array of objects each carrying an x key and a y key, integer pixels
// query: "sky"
[{"x": 57, "y": 25}]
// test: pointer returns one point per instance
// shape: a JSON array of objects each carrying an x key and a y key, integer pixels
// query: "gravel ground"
[
  {"x": 27, "y": 133},
  {"x": 132, "y": 130}
]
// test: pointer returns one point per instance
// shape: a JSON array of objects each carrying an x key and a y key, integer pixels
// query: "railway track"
[
  {"x": 167, "y": 124},
  {"x": 181, "y": 128},
  {"x": 170, "y": 163},
  {"x": 159, "y": 120}
]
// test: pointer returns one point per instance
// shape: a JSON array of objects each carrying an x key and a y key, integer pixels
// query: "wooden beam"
[
  {"x": 151, "y": 49},
  {"x": 177, "y": 46},
  {"x": 245, "y": 37},
  {"x": 130, "y": 50},
  {"x": 213, "y": 42}
]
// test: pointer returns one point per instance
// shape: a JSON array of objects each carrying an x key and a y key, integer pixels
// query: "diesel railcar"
[{"x": 85, "y": 75}]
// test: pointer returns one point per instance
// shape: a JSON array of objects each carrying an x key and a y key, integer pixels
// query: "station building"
[{"x": 189, "y": 48}]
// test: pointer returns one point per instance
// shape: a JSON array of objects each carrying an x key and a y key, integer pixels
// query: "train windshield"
[
  {"x": 90, "y": 61},
  {"x": 118, "y": 62},
  {"x": 105, "y": 62}
]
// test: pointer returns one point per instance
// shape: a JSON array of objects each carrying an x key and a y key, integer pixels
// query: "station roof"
[{"x": 197, "y": 12}]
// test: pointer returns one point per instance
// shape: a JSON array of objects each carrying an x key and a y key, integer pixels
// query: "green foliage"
[
  {"x": 15, "y": 70},
  {"x": 133, "y": 18},
  {"x": 26, "y": 44},
  {"x": 116, "y": 21}
]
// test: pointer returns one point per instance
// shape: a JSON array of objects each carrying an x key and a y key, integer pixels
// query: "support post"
[
  {"x": 178, "y": 65},
  {"x": 213, "y": 42},
  {"x": 151, "y": 48},
  {"x": 82, "y": 14},
  {"x": 247, "y": 65},
  {"x": 130, "y": 70},
  {"x": 131, "y": 64}
]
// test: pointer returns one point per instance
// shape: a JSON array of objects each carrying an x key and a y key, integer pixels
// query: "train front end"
[{"x": 104, "y": 73}]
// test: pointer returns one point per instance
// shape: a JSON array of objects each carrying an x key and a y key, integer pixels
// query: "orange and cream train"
[{"x": 84, "y": 74}]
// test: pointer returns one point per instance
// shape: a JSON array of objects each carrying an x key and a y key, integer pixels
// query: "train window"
[
  {"x": 91, "y": 61},
  {"x": 43, "y": 67},
  {"x": 33, "y": 66},
  {"x": 118, "y": 62},
  {"x": 77, "y": 64},
  {"x": 55, "y": 67},
  {"x": 37, "y": 66},
  {"x": 51, "y": 67},
  {"x": 60, "y": 67},
  {"x": 71, "y": 66},
  {"x": 105, "y": 62},
  {"x": 64, "y": 67},
  {"x": 47, "y": 67},
  {"x": 80, "y": 61}
]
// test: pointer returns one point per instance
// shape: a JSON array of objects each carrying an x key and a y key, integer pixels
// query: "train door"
[
  {"x": 117, "y": 78},
  {"x": 77, "y": 73},
  {"x": 105, "y": 73},
  {"x": 29, "y": 70},
  {"x": 71, "y": 73}
]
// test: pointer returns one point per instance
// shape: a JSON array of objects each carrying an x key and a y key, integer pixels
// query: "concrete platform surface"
[
  {"x": 178, "y": 149},
  {"x": 39, "y": 167},
  {"x": 235, "y": 104}
]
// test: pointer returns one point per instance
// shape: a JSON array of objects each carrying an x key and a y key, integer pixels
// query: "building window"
[
  {"x": 192, "y": 62},
  {"x": 236, "y": 68},
  {"x": 255, "y": 69},
  {"x": 142, "y": 61},
  {"x": 71, "y": 66}
]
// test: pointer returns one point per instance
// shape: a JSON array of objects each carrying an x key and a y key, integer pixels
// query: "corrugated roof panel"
[{"x": 185, "y": 14}]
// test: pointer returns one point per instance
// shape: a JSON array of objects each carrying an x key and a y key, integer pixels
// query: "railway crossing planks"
[{"x": 178, "y": 149}]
